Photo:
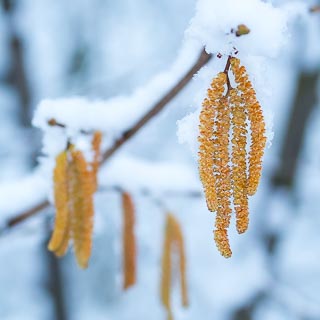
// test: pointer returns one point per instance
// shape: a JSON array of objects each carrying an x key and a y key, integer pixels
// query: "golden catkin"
[
  {"x": 222, "y": 242},
  {"x": 62, "y": 250},
  {"x": 96, "y": 147},
  {"x": 166, "y": 269},
  {"x": 60, "y": 179},
  {"x": 206, "y": 148},
  {"x": 128, "y": 241},
  {"x": 178, "y": 239},
  {"x": 239, "y": 161},
  {"x": 82, "y": 218},
  {"x": 257, "y": 125},
  {"x": 236, "y": 177},
  {"x": 222, "y": 173},
  {"x": 173, "y": 240}
]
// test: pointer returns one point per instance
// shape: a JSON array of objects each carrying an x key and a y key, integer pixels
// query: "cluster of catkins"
[
  {"x": 75, "y": 182},
  {"x": 230, "y": 173}
]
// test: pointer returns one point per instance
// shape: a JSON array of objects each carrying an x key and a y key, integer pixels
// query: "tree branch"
[{"x": 203, "y": 59}]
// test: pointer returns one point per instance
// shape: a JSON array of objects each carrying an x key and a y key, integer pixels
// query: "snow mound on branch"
[
  {"x": 115, "y": 115},
  {"x": 29, "y": 191},
  {"x": 214, "y": 21}
]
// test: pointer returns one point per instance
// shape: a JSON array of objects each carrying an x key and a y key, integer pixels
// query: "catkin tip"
[{"x": 222, "y": 242}]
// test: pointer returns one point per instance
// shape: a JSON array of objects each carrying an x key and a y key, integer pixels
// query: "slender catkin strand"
[
  {"x": 62, "y": 250},
  {"x": 239, "y": 161},
  {"x": 173, "y": 243},
  {"x": 222, "y": 176},
  {"x": 82, "y": 219},
  {"x": 96, "y": 147},
  {"x": 60, "y": 179},
  {"x": 205, "y": 138},
  {"x": 128, "y": 241},
  {"x": 166, "y": 269},
  {"x": 257, "y": 125},
  {"x": 178, "y": 241}
]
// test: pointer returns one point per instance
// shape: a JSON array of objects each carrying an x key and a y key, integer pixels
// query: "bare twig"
[
  {"x": 226, "y": 72},
  {"x": 203, "y": 59},
  {"x": 27, "y": 214},
  {"x": 54, "y": 123}
]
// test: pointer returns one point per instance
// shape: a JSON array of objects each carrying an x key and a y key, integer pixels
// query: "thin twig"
[
  {"x": 27, "y": 214},
  {"x": 226, "y": 72},
  {"x": 203, "y": 59}
]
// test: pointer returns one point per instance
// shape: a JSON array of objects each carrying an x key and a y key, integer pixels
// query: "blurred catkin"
[
  {"x": 173, "y": 242},
  {"x": 128, "y": 241},
  {"x": 82, "y": 219},
  {"x": 96, "y": 148},
  {"x": 60, "y": 179},
  {"x": 73, "y": 197}
]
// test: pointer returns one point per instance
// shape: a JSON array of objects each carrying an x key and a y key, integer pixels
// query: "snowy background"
[{"x": 117, "y": 58}]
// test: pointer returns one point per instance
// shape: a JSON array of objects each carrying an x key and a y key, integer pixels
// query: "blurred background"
[{"x": 103, "y": 48}]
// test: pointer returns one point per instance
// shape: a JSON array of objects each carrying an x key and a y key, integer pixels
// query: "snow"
[
  {"x": 155, "y": 177},
  {"x": 23, "y": 193},
  {"x": 117, "y": 114},
  {"x": 214, "y": 21}
]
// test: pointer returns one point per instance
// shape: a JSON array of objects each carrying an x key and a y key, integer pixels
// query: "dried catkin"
[
  {"x": 257, "y": 125},
  {"x": 206, "y": 146},
  {"x": 82, "y": 219},
  {"x": 239, "y": 161},
  {"x": 173, "y": 241},
  {"x": 128, "y": 241},
  {"x": 96, "y": 147},
  {"x": 60, "y": 179}
]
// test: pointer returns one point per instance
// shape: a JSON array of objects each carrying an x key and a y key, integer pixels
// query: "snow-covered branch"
[{"x": 66, "y": 107}]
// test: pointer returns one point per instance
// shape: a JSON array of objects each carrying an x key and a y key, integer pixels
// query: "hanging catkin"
[
  {"x": 173, "y": 241},
  {"x": 60, "y": 178},
  {"x": 82, "y": 219},
  {"x": 257, "y": 125},
  {"x": 239, "y": 161},
  {"x": 226, "y": 170},
  {"x": 62, "y": 250},
  {"x": 74, "y": 185},
  {"x": 178, "y": 238},
  {"x": 206, "y": 149},
  {"x": 223, "y": 178},
  {"x": 96, "y": 148},
  {"x": 128, "y": 241}
]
